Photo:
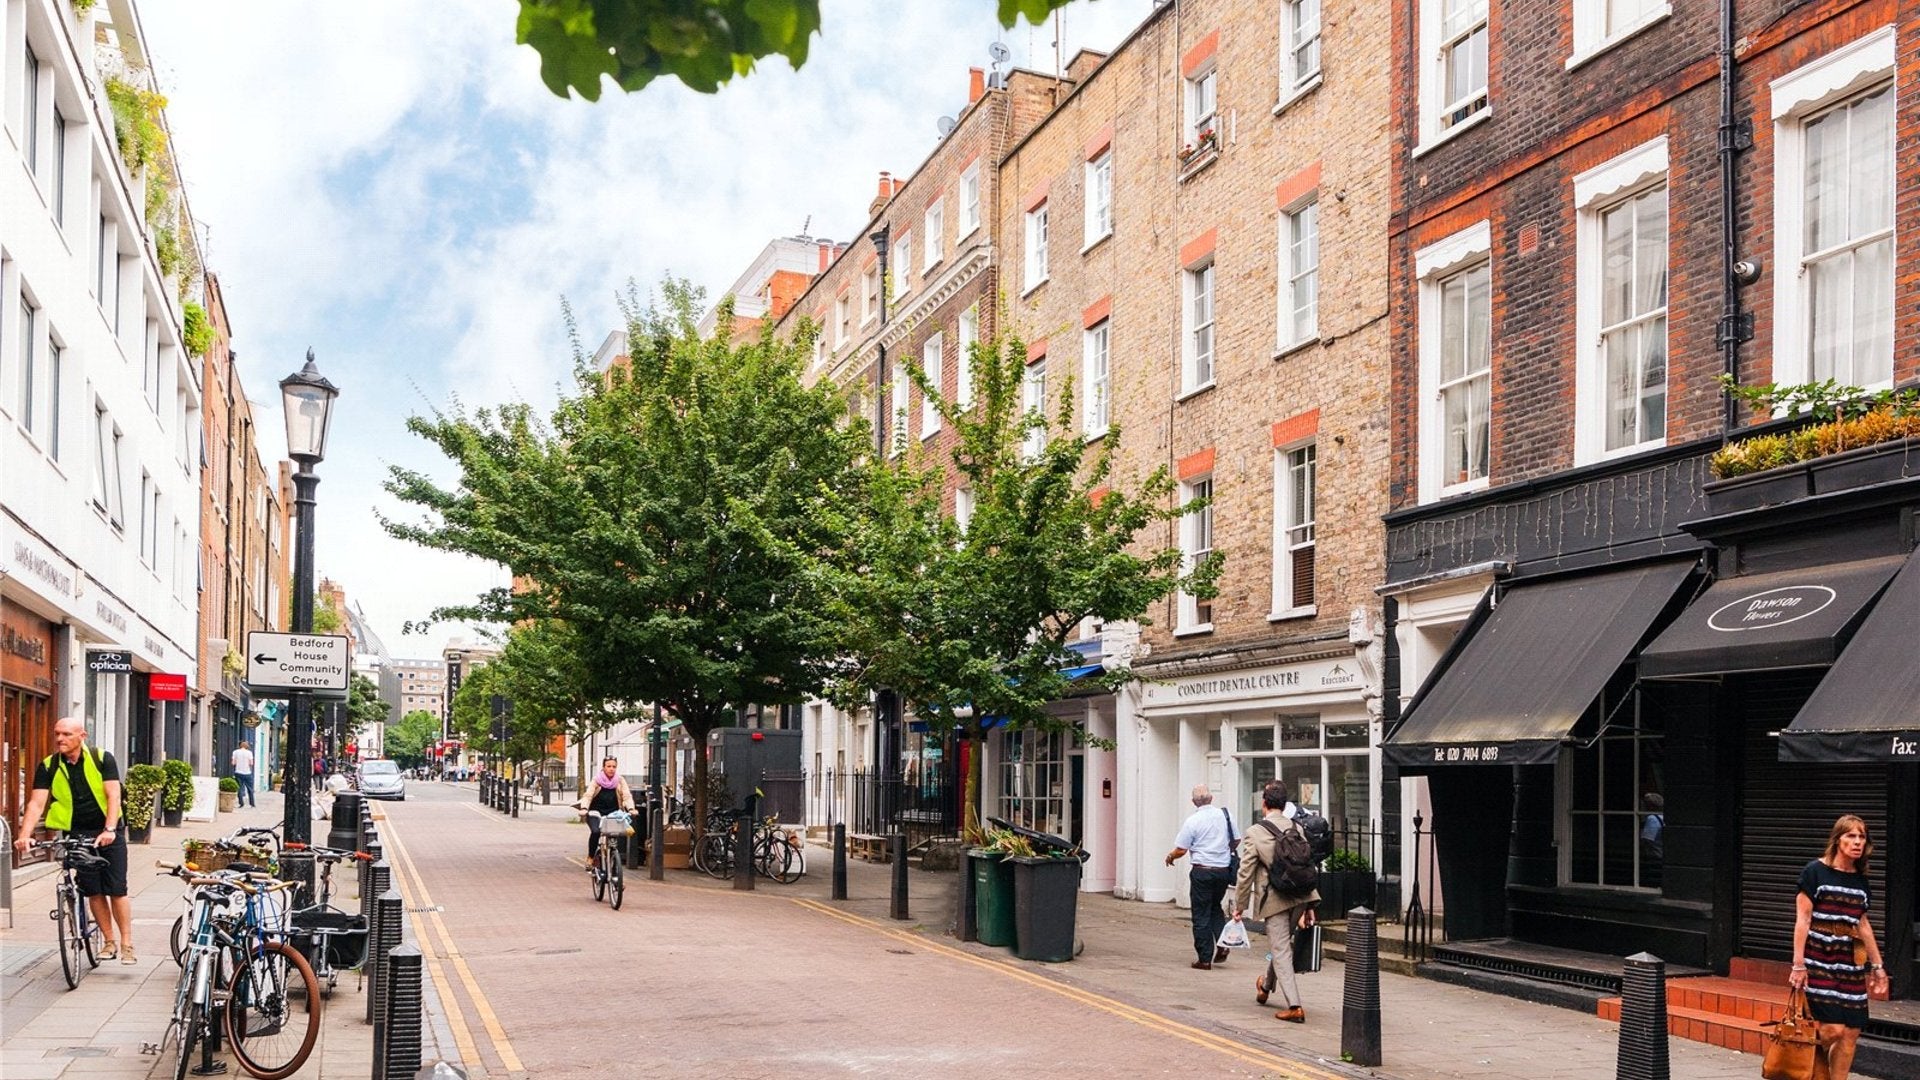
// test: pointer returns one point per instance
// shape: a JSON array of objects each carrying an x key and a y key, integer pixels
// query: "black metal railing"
[{"x": 878, "y": 804}]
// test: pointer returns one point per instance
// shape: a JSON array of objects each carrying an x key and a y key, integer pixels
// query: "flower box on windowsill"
[
  {"x": 1199, "y": 153},
  {"x": 1846, "y": 471}
]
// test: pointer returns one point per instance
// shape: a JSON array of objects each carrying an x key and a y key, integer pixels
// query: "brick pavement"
[{"x": 97, "y": 1030}]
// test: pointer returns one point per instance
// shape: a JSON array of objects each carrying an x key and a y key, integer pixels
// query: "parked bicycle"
[
  {"x": 333, "y": 939},
  {"x": 253, "y": 849},
  {"x": 609, "y": 878},
  {"x": 778, "y": 854},
  {"x": 79, "y": 936}
]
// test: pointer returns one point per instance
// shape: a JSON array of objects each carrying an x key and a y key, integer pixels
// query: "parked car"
[{"x": 381, "y": 779}]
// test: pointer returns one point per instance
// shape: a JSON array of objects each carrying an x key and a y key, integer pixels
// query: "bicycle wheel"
[
  {"x": 719, "y": 860},
  {"x": 177, "y": 941},
  {"x": 273, "y": 1012},
  {"x": 66, "y": 910},
  {"x": 92, "y": 938},
  {"x": 192, "y": 1030},
  {"x": 616, "y": 879},
  {"x": 795, "y": 866},
  {"x": 767, "y": 857}
]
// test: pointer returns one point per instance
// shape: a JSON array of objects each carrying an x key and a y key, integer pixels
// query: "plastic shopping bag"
[{"x": 1234, "y": 936}]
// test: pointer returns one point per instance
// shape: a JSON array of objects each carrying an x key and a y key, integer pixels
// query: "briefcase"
[{"x": 1306, "y": 948}]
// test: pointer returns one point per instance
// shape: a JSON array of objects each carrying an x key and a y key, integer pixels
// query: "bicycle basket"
[
  {"x": 616, "y": 824},
  {"x": 344, "y": 934}
]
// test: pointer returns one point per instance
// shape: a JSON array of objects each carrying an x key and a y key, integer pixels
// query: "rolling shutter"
[{"x": 1787, "y": 809}]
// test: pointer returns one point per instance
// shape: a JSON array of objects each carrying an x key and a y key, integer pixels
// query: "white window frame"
[
  {"x": 110, "y": 490},
  {"x": 963, "y": 507},
  {"x": 902, "y": 265},
  {"x": 1098, "y": 223},
  {"x": 1199, "y": 346},
  {"x": 897, "y": 401},
  {"x": 33, "y": 96},
  {"x": 968, "y": 334},
  {"x": 1035, "y": 249},
  {"x": 969, "y": 201},
  {"x": 843, "y": 318},
  {"x": 870, "y": 298},
  {"x": 1192, "y": 614},
  {"x": 1853, "y": 71},
  {"x": 1596, "y": 191},
  {"x": 28, "y": 353},
  {"x": 1299, "y": 290},
  {"x": 1433, "y": 265},
  {"x": 1300, "y": 44},
  {"x": 1591, "y": 36},
  {"x": 1435, "y": 45},
  {"x": 1202, "y": 109},
  {"x": 56, "y": 363},
  {"x": 1294, "y": 526},
  {"x": 1642, "y": 743},
  {"x": 933, "y": 230},
  {"x": 820, "y": 351},
  {"x": 1033, "y": 398},
  {"x": 1096, "y": 378},
  {"x": 930, "y": 362}
]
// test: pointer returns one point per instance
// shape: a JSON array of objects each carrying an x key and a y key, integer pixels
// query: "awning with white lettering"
[
  {"x": 1769, "y": 622},
  {"x": 1868, "y": 707},
  {"x": 1514, "y": 690}
]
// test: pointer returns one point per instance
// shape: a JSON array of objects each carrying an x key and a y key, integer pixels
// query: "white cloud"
[{"x": 392, "y": 184}]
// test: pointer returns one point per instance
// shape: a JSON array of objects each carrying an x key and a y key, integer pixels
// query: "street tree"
[
  {"x": 703, "y": 43},
  {"x": 970, "y": 625},
  {"x": 407, "y": 740},
  {"x": 670, "y": 514}
]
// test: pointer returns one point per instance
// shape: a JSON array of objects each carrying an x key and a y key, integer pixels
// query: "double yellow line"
[
  {"x": 1287, "y": 1069},
  {"x": 440, "y": 945}
]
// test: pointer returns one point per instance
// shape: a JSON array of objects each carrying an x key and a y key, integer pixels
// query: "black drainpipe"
[
  {"x": 1736, "y": 136},
  {"x": 880, "y": 394}
]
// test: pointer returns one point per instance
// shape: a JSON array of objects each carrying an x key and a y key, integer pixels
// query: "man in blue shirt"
[{"x": 1207, "y": 838}]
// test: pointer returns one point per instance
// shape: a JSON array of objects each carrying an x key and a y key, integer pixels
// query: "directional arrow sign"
[{"x": 281, "y": 663}]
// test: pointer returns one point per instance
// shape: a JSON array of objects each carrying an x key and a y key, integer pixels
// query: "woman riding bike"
[{"x": 608, "y": 792}]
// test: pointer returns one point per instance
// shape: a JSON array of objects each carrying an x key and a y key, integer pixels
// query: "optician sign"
[{"x": 279, "y": 664}]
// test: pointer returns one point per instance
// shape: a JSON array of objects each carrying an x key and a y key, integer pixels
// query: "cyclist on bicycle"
[
  {"x": 78, "y": 789},
  {"x": 608, "y": 792}
]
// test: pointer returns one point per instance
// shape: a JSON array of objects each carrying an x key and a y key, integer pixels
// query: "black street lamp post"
[{"x": 308, "y": 398}]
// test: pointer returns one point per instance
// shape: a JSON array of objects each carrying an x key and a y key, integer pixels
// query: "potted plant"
[
  {"x": 229, "y": 795},
  {"x": 177, "y": 796},
  {"x": 1346, "y": 881},
  {"x": 138, "y": 795}
]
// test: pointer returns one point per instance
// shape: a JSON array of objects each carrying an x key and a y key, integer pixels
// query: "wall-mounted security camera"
[{"x": 1746, "y": 271}]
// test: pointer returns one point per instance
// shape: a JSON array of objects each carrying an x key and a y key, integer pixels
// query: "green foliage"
[
  {"x": 664, "y": 523},
  {"x": 1344, "y": 860},
  {"x": 703, "y": 43},
  {"x": 407, "y": 740},
  {"x": 326, "y": 620},
  {"x": 81, "y": 7},
  {"x": 178, "y": 793},
  {"x": 166, "y": 248},
  {"x": 139, "y": 793},
  {"x": 229, "y": 785},
  {"x": 136, "y": 123},
  {"x": 972, "y": 625},
  {"x": 1848, "y": 418},
  {"x": 196, "y": 328}
]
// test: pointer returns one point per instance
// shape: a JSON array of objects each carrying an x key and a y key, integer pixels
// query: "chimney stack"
[
  {"x": 976, "y": 84},
  {"x": 881, "y": 198}
]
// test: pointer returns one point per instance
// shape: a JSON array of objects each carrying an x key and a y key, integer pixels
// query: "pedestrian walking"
[
  {"x": 1207, "y": 839},
  {"x": 1836, "y": 958},
  {"x": 78, "y": 789},
  {"x": 1274, "y": 847},
  {"x": 242, "y": 762}
]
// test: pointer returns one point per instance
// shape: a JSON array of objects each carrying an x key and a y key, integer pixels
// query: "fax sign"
[{"x": 285, "y": 663}]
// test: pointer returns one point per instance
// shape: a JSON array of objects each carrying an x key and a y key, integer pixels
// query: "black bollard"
[
  {"x": 345, "y": 830},
  {"x": 367, "y": 892},
  {"x": 513, "y": 794},
  {"x": 743, "y": 850},
  {"x": 1360, "y": 1008},
  {"x": 389, "y": 935},
  {"x": 1643, "y": 1020},
  {"x": 297, "y": 866},
  {"x": 898, "y": 845},
  {"x": 630, "y": 846},
  {"x": 656, "y": 843},
  {"x": 405, "y": 1016},
  {"x": 379, "y": 880},
  {"x": 840, "y": 861}
]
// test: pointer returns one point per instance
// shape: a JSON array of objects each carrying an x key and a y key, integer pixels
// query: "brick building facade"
[{"x": 1595, "y": 216}]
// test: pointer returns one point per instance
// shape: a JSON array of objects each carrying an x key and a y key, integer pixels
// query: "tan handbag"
[{"x": 1793, "y": 1050}]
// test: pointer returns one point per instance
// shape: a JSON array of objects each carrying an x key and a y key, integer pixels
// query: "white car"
[{"x": 381, "y": 779}]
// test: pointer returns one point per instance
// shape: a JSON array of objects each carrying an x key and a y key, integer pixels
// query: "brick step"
[{"x": 1700, "y": 1025}]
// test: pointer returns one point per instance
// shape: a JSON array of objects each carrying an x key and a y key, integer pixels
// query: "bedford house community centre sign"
[{"x": 280, "y": 664}]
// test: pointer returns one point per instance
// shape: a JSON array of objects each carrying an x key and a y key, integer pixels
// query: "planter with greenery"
[
  {"x": 229, "y": 795},
  {"x": 1857, "y": 438},
  {"x": 1346, "y": 882},
  {"x": 177, "y": 796},
  {"x": 139, "y": 793}
]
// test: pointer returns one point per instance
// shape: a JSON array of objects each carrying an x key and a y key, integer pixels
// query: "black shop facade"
[{"x": 1634, "y": 699}]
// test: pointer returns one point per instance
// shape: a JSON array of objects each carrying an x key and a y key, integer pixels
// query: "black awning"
[
  {"x": 1768, "y": 622},
  {"x": 1868, "y": 707},
  {"x": 1515, "y": 689}
]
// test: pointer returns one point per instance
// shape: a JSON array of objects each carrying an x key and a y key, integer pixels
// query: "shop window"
[
  {"x": 1325, "y": 764},
  {"x": 1612, "y": 790},
  {"x": 1033, "y": 775}
]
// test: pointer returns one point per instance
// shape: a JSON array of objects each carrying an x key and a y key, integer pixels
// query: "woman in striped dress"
[{"x": 1830, "y": 913}]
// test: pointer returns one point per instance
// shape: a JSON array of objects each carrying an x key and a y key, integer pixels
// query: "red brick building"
[{"x": 1597, "y": 211}]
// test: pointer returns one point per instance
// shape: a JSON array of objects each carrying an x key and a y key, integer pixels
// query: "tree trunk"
[{"x": 971, "y": 817}]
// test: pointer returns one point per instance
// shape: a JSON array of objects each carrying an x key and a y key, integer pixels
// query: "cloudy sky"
[{"x": 392, "y": 185}]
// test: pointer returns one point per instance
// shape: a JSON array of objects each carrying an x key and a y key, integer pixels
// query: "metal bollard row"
[
  {"x": 1360, "y": 1006},
  {"x": 1643, "y": 1020},
  {"x": 897, "y": 848},
  {"x": 397, "y": 1056},
  {"x": 391, "y": 926}
]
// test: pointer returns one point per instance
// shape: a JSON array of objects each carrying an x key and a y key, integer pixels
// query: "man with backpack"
[{"x": 1276, "y": 860}]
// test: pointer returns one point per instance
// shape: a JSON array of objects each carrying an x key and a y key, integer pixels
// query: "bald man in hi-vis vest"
[{"x": 78, "y": 789}]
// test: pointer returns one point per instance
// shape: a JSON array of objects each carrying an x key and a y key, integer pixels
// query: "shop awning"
[
  {"x": 1767, "y": 622},
  {"x": 1517, "y": 687},
  {"x": 1868, "y": 707}
]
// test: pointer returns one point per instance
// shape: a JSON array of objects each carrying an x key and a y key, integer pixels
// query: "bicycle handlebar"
[{"x": 330, "y": 854}]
